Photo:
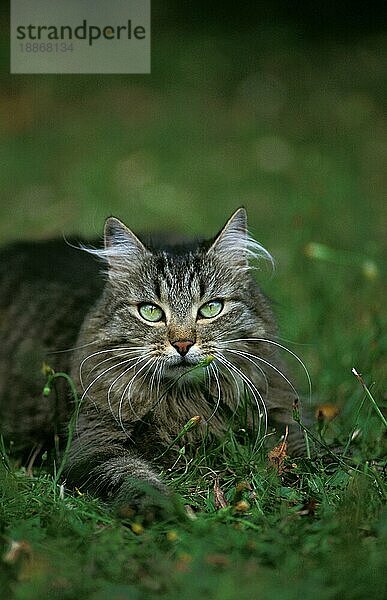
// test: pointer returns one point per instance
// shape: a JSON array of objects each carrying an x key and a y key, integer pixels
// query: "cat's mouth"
[{"x": 181, "y": 365}]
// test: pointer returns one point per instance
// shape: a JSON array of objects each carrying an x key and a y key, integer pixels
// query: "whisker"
[
  {"x": 213, "y": 368},
  {"x": 160, "y": 367},
  {"x": 74, "y": 348},
  {"x": 128, "y": 389},
  {"x": 171, "y": 385},
  {"x": 298, "y": 359},
  {"x": 246, "y": 355},
  {"x": 104, "y": 373},
  {"x": 96, "y": 354},
  {"x": 118, "y": 349},
  {"x": 219, "y": 358},
  {"x": 86, "y": 390},
  {"x": 259, "y": 402},
  {"x": 116, "y": 379},
  {"x": 208, "y": 377},
  {"x": 126, "y": 355},
  {"x": 153, "y": 378},
  {"x": 258, "y": 366},
  {"x": 235, "y": 383}
]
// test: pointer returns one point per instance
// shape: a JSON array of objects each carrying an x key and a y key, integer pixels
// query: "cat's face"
[{"x": 178, "y": 307}]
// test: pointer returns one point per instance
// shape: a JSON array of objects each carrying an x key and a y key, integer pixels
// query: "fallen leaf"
[
  {"x": 218, "y": 560},
  {"x": 219, "y": 497},
  {"x": 309, "y": 508},
  {"x": 137, "y": 528},
  {"x": 182, "y": 564},
  {"x": 242, "y": 506},
  {"x": 172, "y": 536},
  {"x": 278, "y": 455},
  {"x": 326, "y": 412},
  {"x": 190, "y": 512},
  {"x": 16, "y": 550},
  {"x": 242, "y": 486}
]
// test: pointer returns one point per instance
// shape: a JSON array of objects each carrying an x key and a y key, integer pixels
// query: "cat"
[{"x": 162, "y": 335}]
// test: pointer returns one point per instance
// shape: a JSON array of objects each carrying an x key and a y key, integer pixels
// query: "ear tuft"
[
  {"x": 238, "y": 221},
  {"x": 115, "y": 232},
  {"x": 118, "y": 238},
  {"x": 121, "y": 245},
  {"x": 234, "y": 245}
]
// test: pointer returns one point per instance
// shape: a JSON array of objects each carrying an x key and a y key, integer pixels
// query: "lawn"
[{"x": 292, "y": 129}]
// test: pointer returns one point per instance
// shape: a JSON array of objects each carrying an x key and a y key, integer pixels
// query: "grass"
[
  {"x": 292, "y": 130},
  {"x": 316, "y": 528}
]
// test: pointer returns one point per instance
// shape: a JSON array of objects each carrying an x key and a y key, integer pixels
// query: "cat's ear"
[
  {"x": 118, "y": 237},
  {"x": 122, "y": 249},
  {"x": 231, "y": 242},
  {"x": 234, "y": 245},
  {"x": 121, "y": 244}
]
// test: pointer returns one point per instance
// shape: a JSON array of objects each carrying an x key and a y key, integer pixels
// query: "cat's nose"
[{"x": 183, "y": 346}]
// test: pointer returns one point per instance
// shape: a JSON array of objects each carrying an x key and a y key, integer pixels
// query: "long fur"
[{"x": 137, "y": 391}]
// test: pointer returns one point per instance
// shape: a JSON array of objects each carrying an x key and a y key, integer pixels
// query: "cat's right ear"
[
  {"x": 121, "y": 244},
  {"x": 118, "y": 237},
  {"x": 122, "y": 249}
]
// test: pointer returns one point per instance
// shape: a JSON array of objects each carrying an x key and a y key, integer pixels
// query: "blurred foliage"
[{"x": 291, "y": 126}]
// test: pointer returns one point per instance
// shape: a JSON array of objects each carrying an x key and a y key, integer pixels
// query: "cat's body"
[
  {"x": 46, "y": 290},
  {"x": 166, "y": 335}
]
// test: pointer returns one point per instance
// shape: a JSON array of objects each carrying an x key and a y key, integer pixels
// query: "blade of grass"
[
  {"x": 370, "y": 396},
  {"x": 51, "y": 377}
]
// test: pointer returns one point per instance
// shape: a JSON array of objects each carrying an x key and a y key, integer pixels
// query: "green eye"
[
  {"x": 211, "y": 309},
  {"x": 150, "y": 312}
]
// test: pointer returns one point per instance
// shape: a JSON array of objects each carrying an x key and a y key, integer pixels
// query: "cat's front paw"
[{"x": 147, "y": 500}]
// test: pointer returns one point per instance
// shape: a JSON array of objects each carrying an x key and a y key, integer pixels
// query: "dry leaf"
[
  {"x": 242, "y": 486},
  {"x": 190, "y": 512},
  {"x": 218, "y": 560},
  {"x": 219, "y": 497},
  {"x": 309, "y": 508},
  {"x": 16, "y": 550},
  {"x": 278, "y": 455},
  {"x": 182, "y": 564},
  {"x": 327, "y": 412},
  {"x": 242, "y": 506},
  {"x": 172, "y": 536},
  {"x": 137, "y": 528}
]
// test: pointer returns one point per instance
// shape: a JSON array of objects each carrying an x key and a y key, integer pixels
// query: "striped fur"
[{"x": 137, "y": 390}]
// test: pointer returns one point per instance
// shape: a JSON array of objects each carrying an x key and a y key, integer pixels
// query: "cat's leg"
[{"x": 100, "y": 463}]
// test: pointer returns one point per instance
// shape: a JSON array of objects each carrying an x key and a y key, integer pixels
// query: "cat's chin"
[{"x": 183, "y": 372}]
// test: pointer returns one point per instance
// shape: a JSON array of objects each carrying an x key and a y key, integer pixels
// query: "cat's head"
[{"x": 178, "y": 305}]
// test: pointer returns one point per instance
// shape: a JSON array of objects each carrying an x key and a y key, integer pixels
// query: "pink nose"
[{"x": 183, "y": 346}]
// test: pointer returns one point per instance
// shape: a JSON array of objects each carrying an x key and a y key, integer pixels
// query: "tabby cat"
[{"x": 162, "y": 335}]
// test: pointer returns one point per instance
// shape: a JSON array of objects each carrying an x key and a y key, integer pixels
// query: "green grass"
[
  {"x": 293, "y": 131},
  {"x": 316, "y": 529}
]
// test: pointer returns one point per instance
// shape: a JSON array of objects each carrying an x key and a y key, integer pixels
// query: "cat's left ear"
[{"x": 231, "y": 242}]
